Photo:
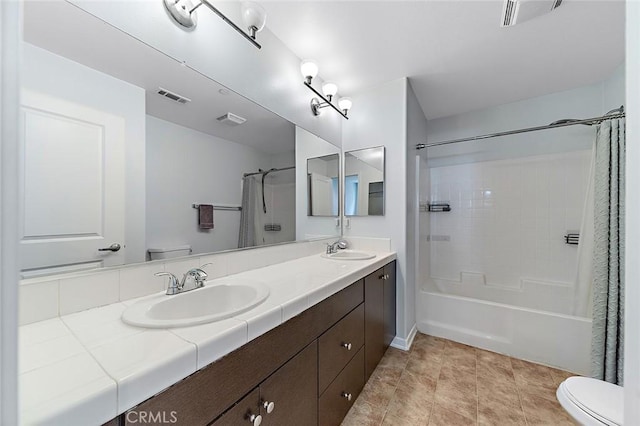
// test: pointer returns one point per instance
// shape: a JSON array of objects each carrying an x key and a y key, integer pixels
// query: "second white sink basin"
[
  {"x": 217, "y": 300},
  {"x": 350, "y": 255}
]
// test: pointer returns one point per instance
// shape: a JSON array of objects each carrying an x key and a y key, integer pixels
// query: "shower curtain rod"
[
  {"x": 264, "y": 172},
  {"x": 615, "y": 113}
]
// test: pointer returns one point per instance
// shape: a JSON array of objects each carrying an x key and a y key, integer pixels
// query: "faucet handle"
[
  {"x": 198, "y": 275},
  {"x": 174, "y": 284}
]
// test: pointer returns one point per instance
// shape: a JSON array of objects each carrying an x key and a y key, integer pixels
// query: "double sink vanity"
[{"x": 289, "y": 343}]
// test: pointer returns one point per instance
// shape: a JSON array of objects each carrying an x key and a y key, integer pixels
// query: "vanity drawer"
[
  {"x": 338, "y": 345},
  {"x": 334, "y": 402},
  {"x": 242, "y": 412}
]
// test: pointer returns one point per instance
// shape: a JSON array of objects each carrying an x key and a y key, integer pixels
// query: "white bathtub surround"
[
  {"x": 89, "y": 366},
  {"x": 556, "y": 340},
  {"x": 48, "y": 297},
  {"x": 503, "y": 239}
]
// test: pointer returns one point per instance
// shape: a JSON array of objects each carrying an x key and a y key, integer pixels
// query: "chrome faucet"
[
  {"x": 340, "y": 244},
  {"x": 196, "y": 276}
]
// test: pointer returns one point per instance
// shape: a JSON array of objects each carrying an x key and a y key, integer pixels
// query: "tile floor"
[{"x": 440, "y": 382}]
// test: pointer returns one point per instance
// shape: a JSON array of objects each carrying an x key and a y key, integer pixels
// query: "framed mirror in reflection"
[
  {"x": 323, "y": 176},
  {"x": 130, "y": 155},
  {"x": 364, "y": 182}
]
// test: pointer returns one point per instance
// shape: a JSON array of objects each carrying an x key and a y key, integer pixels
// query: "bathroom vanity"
[{"x": 307, "y": 371}]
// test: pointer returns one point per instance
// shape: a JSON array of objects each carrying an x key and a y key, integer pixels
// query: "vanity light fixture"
[
  {"x": 309, "y": 70},
  {"x": 183, "y": 12}
]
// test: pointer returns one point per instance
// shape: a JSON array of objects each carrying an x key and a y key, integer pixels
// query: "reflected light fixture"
[
  {"x": 183, "y": 12},
  {"x": 309, "y": 70}
]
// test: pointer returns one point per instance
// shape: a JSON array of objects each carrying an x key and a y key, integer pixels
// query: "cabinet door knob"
[
  {"x": 382, "y": 277},
  {"x": 255, "y": 420},
  {"x": 386, "y": 276},
  {"x": 269, "y": 406},
  {"x": 347, "y": 346},
  {"x": 346, "y": 395}
]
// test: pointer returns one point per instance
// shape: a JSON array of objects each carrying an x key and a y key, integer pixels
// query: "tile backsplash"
[{"x": 48, "y": 297}]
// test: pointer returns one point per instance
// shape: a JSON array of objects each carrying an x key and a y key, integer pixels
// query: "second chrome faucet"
[{"x": 195, "y": 276}]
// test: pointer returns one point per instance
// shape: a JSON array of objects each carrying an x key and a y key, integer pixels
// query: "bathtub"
[{"x": 553, "y": 339}]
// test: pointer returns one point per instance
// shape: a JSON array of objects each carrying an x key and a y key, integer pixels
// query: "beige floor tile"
[
  {"x": 411, "y": 404},
  {"x": 364, "y": 414},
  {"x": 543, "y": 411},
  {"x": 440, "y": 382},
  {"x": 440, "y": 416},
  {"x": 419, "y": 382},
  {"x": 499, "y": 414},
  {"x": 427, "y": 368}
]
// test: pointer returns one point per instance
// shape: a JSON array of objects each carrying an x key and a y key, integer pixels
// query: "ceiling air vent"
[
  {"x": 173, "y": 96},
  {"x": 231, "y": 119},
  {"x": 518, "y": 11}
]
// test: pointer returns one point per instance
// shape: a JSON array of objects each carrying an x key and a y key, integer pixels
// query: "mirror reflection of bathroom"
[
  {"x": 323, "y": 174},
  {"x": 364, "y": 182}
]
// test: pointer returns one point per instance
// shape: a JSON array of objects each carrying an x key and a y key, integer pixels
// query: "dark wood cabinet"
[
  {"x": 389, "y": 304},
  {"x": 291, "y": 393},
  {"x": 342, "y": 392},
  {"x": 307, "y": 371},
  {"x": 380, "y": 315},
  {"x": 245, "y": 411}
]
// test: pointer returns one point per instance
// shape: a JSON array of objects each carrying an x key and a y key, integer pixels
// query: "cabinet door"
[
  {"x": 293, "y": 391},
  {"x": 245, "y": 412},
  {"x": 389, "y": 303},
  {"x": 373, "y": 321}
]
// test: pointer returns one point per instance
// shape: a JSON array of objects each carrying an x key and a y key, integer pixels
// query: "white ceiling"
[
  {"x": 68, "y": 31},
  {"x": 457, "y": 56}
]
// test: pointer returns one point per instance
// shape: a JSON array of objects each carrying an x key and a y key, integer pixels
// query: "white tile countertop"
[{"x": 88, "y": 367}]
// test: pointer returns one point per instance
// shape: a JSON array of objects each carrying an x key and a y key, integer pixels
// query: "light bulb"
[
  {"x": 309, "y": 69},
  {"x": 329, "y": 89},
  {"x": 345, "y": 104},
  {"x": 254, "y": 17}
]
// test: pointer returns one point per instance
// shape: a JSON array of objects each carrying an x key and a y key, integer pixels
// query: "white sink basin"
[
  {"x": 349, "y": 255},
  {"x": 217, "y": 300}
]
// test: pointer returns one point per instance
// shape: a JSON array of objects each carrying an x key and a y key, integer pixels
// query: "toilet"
[
  {"x": 592, "y": 402},
  {"x": 169, "y": 252}
]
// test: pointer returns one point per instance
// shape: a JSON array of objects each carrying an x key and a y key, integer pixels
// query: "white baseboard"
[{"x": 405, "y": 344}]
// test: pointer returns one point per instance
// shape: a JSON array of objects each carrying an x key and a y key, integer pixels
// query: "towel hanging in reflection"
[{"x": 205, "y": 216}]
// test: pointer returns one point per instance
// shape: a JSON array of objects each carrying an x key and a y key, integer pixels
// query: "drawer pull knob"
[
  {"x": 347, "y": 346},
  {"x": 346, "y": 395},
  {"x": 269, "y": 406},
  {"x": 255, "y": 420},
  {"x": 382, "y": 277}
]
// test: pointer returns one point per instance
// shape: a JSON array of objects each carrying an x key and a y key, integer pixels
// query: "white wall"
[
  {"x": 54, "y": 75},
  {"x": 583, "y": 102},
  {"x": 632, "y": 235},
  {"x": 186, "y": 167},
  {"x": 269, "y": 76},
  {"x": 308, "y": 146},
  {"x": 416, "y": 133},
  {"x": 379, "y": 119},
  {"x": 9, "y": 99}
]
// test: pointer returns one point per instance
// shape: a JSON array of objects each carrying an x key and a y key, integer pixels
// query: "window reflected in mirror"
[{"x": 364, "y": 182}]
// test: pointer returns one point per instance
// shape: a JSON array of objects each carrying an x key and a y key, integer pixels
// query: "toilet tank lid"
[
  {"x": 604, "y": 401},
  {"x": 168, "y": 249}
]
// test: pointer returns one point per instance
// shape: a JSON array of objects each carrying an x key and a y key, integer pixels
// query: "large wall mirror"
[
  {"x": 364, "y": 182},
  {"x": 323, "y": 175},
  {"x": 124, "y": 146}
]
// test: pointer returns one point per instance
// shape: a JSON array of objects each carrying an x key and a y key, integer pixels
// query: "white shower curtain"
[{"x": 583, "y": 279}]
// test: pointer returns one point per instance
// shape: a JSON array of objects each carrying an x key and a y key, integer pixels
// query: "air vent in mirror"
[{"x": 173, "y": 96}]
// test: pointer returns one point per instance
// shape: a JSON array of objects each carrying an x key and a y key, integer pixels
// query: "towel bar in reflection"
[{"x": 228, "y": 208}]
